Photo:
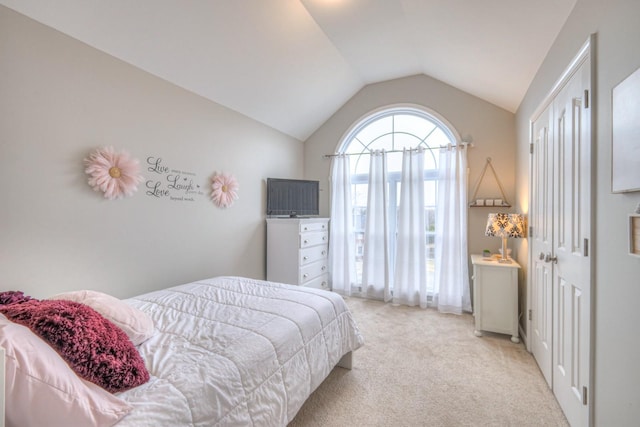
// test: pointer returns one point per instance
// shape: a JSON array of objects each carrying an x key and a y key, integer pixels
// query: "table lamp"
[{"x": 505, "y": 225}]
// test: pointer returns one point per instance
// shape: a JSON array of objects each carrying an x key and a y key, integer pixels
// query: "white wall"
[
  {"x": 59, "y": 99},
  {"x": 491, "y": 129},
  {"x": 617, "y": 278}
]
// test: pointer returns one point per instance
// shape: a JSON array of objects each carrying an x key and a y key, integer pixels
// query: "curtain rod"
[{"x": 468, "y": 144}]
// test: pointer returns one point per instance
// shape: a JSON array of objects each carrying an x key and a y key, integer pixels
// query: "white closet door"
[
  {"x": 572, "y": 229},
  {"x": 541, "y": 222},
  {"x": 560, "y": 220}
]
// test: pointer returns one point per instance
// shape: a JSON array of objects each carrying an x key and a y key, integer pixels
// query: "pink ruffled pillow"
[
  {"x": 94, "y": 348},
  {"x": 13, "y": 297},
  {"x": 135, "y": 323}
]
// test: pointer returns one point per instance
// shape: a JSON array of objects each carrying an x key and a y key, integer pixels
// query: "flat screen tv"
[{"x": 292, "y": 197}]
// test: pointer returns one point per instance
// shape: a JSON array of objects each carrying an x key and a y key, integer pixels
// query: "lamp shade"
[{"x": 505, "y": 225}]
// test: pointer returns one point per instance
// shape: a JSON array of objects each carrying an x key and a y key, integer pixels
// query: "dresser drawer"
[
  {"x": 313, "y": 239},
  {"x": 312, "y": 270},
  {"x": 320, "y": 282},
  {"x": 298, "y": 251},
  {"x": 313, "y": 254},
  {"x": 313, "y": 226}
]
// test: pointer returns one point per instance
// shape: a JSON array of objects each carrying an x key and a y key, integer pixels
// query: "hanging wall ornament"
[
  {"x": 224, "y": 190},
  {"x": 116, "y": 174}
]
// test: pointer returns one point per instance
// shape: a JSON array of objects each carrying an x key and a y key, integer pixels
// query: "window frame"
[{"x": 394, "y": 177}]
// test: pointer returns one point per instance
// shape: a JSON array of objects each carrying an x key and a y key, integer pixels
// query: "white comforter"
[{"x": 236, "y": 351}]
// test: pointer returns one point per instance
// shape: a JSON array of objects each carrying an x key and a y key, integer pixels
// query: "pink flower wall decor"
[
  {"x": 224, "y": 190},
  {"x": 116, "y": 174}
]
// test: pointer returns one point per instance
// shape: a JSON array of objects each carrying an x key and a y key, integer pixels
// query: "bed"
[{"x": 227, "y": 351}]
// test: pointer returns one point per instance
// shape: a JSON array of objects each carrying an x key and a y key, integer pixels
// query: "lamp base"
[{"x": 504, "y": 258}]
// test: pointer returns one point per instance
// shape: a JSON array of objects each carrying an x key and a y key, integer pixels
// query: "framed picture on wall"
[{"x": 625, "y": 135}]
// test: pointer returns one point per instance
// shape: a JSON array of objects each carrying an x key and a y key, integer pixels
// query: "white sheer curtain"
[
  {"x": 375, "y": 261},
  {"x": 452, "y": 271},
  {"x": 410, "y": 277},
  {"x": 341, "y": 235}
]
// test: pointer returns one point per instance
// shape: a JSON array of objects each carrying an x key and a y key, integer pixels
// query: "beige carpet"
[{"x": 422, "y": 368}]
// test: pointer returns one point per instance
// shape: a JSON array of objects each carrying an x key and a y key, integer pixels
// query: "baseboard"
[{"x": 523, "y": 338}]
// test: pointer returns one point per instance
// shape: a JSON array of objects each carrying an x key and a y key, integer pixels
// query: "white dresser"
[
  {"x": 495, "y": 296},
  {"x": 297, "y": 251}
]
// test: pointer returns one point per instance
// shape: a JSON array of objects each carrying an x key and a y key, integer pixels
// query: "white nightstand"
[{"x": 495, "y": 296}]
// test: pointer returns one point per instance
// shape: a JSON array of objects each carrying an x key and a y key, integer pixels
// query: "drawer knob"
[
  {"x": 324, "y": 237},
  {"x": 305, "y": 258},
  {"x": 324, "y": 267},
  {"x": 324, "y": 252},
  {"x": 305, "y": 229},
  {"x": 304, "y": 276},
  {"x": 324, "y": 284},
  {"x": 306, "y": 241}
]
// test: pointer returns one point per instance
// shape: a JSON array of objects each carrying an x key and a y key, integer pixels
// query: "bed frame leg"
[{"x": 347, "y": 361}]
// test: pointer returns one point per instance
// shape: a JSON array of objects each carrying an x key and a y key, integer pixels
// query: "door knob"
[
  {"x": 541, "y": 256},
  {"x": 549, "y": 258}
]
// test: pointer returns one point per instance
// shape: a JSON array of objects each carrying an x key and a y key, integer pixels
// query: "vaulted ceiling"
[{"x": 291, "y": 64}]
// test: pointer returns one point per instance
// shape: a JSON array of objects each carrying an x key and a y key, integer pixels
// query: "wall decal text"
[{"x": 165, "y": 182}]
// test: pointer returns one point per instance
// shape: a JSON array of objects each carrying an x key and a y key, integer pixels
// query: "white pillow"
[
  {"x": 43, "y": 390},
  {"x": 134, "y": 322}
]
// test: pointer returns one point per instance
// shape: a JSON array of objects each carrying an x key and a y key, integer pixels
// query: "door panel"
[
  {"x": 540, "y": 220},
  {"x": 572, "y": 272}
]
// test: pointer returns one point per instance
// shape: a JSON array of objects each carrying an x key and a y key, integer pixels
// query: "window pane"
[
  {"x": 406, "y": 140},
  {"x": 382, "y": 142},
  {"x": 431, "y": 246},
  {"x": 413, "y": 124},
  {"x": 438, "y": 139},
  {"x": 430, "y": 193},
  {"x": 359, "y": 195},
  {"x": 394, "y": 162},
  {"x": 356, "y": 146},
  {"x": 374, "y": 129},
  {"x": 359, "y": 219},
  {"x": 431, "y": 159},
  {"x": 360, "y": 164}
]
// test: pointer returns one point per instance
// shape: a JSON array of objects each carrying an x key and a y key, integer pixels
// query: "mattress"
[{"x": 237, "y": 351}]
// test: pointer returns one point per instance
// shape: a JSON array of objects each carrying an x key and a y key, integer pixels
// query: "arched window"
[{"x": 394, "y": 129}]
